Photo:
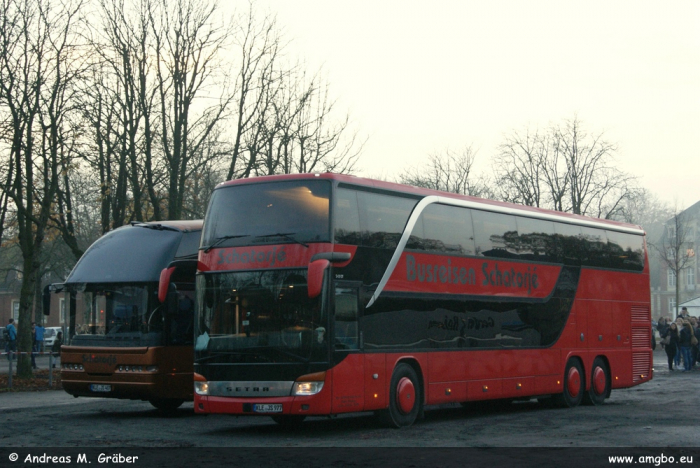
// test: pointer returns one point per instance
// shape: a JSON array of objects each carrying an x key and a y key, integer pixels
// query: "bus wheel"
[
  {"x": 289, "y": 421},
  {"x": 405, "y": 400},
  {"x": 166, "y": 404},
  {"x": 574, "y": 385},
  {"x": 600, "y": 383}
]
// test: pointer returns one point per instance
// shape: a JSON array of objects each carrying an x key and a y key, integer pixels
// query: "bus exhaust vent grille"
[
  {"x": 641, "y": 366},
  {"x": 641, "y": 313},
  {"x": 641, "y": 337}
]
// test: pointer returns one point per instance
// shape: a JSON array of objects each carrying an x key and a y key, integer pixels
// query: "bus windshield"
[
  {"x": 293, "y": 211},
  {"x": 118, "y": 315},
  {"x": 259, "y": 317}
]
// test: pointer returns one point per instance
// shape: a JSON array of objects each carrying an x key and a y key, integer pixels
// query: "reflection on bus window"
[{"x": 346, "y": 319}]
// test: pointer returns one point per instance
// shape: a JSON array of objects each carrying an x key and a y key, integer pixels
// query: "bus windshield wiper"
[
  {"x": 290, "y": 354},
  {"x": 286, "y": 235},
  {"x": 219, "y": 240},
  {"x": 155, "y": 226}
]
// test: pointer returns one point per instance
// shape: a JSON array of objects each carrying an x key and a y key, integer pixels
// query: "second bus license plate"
[
  {"x": 267, "y": 408},
  {"x": 100, "y": 388}
]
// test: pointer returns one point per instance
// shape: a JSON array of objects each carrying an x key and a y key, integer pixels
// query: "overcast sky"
[{"x": 420, "y": 77}]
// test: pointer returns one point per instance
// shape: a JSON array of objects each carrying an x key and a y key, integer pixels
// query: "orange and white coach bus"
[
  {"x": 321, "y": 294},
  {"x": 130, "y": 315}
]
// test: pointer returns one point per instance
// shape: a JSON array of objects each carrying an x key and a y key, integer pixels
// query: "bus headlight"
[
  {"x": 309, "y": 384},
  {"x": 201, "y": 385},
  {"x": 201, "y": 388},
  {"x": 306, "y": 388}
]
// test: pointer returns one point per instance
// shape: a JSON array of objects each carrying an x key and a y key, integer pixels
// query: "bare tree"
[
  {"x": 450, "y": 172},
  {"x": 205, "y": 172},
  {"x": 120, "y": 108},
  {"x": 190, "y": 39},
  {"x": 64, "y": 220},
  {"x": 39, "y": 64},
  {"x": 6, "y": 168},
  {"x": 298, "y": 131},
  {"x": 595, "y": 186},
  {"x": 528, "y": 170},
  {"x": 258, "y": 44},
  {"x": 563, "y": 168},
  {"x": 286, "y": 120},
  {"x": 648, "y": 211},
  {"x": 321, "y": 142},
  {"x": 676, "y": 248},
  {"x": 103, "y": 149},
  {"x": 78, "y": 217}
]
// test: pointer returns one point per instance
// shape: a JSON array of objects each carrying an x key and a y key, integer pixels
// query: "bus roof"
[
  {"x": 136, "y": 253},
  {"x": 482, "y": 203}
]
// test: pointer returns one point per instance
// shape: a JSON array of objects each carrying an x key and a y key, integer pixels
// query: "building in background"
[
  {"x": 663, "y": 277},
  {"x": 9, "y": 302}
]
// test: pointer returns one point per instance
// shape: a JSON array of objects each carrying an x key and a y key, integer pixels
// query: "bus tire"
[
  {"x": 289, "y": 421},
  {"x": 600, "y": 383},
  {"x": 166, "y": 404},
  {"x": 574, "y": 385},
  {"x": 405, "y": 399}
]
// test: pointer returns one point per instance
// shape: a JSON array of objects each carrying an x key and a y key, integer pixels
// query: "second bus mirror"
[
  {"x": 164, "y": 283},
  {"x": 317, "y": 268}
]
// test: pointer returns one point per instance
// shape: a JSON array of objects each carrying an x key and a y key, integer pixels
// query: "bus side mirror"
[
  {"x": 164, "y": 283},
  {"x": 317, "y": 268},
  {"x": 46, "y": 300}
]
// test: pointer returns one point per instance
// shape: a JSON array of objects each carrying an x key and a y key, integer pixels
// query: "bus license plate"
[
  {"x": 267, "y": 408},
  {"x": 100, "y": 388}
]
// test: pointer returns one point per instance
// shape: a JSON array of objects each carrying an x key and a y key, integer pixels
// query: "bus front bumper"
[{"x": 319, "y": 404}]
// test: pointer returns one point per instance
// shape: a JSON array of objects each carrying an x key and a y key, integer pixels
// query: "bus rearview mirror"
[
  {"x": 317, "y": 268},
  {"x": 164, "y": 283}
]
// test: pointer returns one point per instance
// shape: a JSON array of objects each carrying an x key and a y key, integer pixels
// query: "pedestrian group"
[{"x": 679, "y": 338}]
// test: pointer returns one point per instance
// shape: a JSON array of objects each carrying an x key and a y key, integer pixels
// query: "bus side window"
[{"x": 346, "y": 318}]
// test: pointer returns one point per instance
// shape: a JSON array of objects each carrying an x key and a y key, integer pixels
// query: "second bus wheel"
[
  {"x": 600, "y": 383},
  {"x": 166, "y": 404},
  {"x": 405, "y": 398}
]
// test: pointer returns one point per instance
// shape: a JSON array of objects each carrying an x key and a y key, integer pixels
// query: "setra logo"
[{"x": 247, "y": 389}]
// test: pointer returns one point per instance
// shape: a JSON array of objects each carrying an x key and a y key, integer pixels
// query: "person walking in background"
[
  {"x": 662, "y": 327},
  {"x": 37, "y": 342},
  {"x": 677, "y": 357},
  {"x": 694, "y": 342},
  {"x": 33, "y": 345},
  {"x": 11, "y": 346},
  {"x": 40, "y": 338},
  {"x": 670, "y": 338},
  {"x": 686, "y": 335},
  {"x": 56, "y": 348}
]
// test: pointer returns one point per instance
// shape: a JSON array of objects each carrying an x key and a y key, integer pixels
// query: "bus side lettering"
[
  {"x": 510, "y": 279},
  {"x": 427, "y": 273}
]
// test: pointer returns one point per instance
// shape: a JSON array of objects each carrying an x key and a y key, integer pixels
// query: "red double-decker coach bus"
[{"x": 321, "y": 294}]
